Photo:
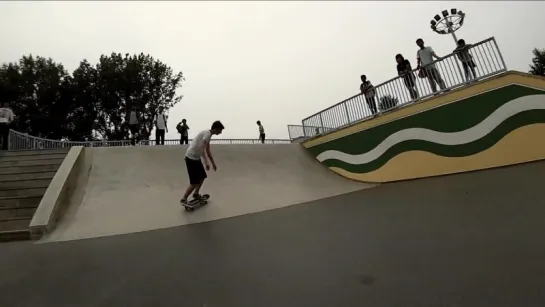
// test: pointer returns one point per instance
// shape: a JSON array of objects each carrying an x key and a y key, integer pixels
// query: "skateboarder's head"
[
  {"x": 258, "y": 123},
  {"x": 420, "y": 42},
  {"x": 217, "y": 127},
  {"x": 363, "y": 78},
  {"x": 183, "y": 121}
]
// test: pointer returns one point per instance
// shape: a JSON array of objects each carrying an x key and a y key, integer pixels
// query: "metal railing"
[
  {"x": 20, "y": 141},
  {"x": 299, "y": 131},
  {"x": 451, "y": 71}
]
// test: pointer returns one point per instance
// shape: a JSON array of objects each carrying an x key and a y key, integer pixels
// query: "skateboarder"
[{"x": 199, "y": 148}]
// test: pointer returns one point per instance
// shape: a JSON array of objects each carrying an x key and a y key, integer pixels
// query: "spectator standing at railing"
[
  {"x": 462, "y": 51},
  {"x": 183, "y": 130},
  {"x": 133, "y": 126},
  {"x": 6, "y": 119},
  {"x": 404, "y": 69},
  {"x": 160, "y": 121},
  {"x": 425, "y": 56},
  {"x": 261, "y": 132},
  {"x": 368, "y": 90}
]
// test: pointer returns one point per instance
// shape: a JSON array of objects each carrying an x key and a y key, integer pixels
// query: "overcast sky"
[{"x": 278, "y": 62}]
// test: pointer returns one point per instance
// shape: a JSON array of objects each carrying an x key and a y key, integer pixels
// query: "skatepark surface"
[
  {"x": 131, "y": 189},
  {"x": 471, "y": 240}
]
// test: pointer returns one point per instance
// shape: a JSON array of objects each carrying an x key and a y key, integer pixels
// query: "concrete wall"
[{"x": 494, "y": 123}]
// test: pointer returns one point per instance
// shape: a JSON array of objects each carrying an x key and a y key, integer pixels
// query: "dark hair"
[
  {"x": 258, "y": 122},
  {"x": 217, "y": 125},
  {"x": 363, "y": 76},
  {"x": 461, "y": 42},
  {"x": 399, "y": 56},
  {"x": 419, "y": 40}
]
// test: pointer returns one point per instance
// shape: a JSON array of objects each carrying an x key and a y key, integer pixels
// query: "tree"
[
  {"x": 36, "y": 88},
  {"x": 538, "y": 67},
  {"x": 93, "y": 102},
  {"x": 387, "y": 102},
  {"x": 137, "y": 82}
]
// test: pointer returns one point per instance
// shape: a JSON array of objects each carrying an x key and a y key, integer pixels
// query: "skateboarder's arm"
[{"x": 209, "y": 154}]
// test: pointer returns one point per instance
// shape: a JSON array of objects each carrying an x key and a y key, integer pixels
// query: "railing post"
[
  {"x": 322, "y": 123},
  {"x": 347, "y": 114},
  {"x": 499, "y": 52}
]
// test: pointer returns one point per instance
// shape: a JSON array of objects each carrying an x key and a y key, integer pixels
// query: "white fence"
[
  {"x": 451, "y": 71},
  {"x": 21, "y": 141}
]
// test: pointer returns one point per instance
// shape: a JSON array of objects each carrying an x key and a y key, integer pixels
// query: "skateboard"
[{"x": 195, "y": 203}]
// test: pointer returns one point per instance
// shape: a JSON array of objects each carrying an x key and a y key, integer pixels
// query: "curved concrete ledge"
[{"x": 59, "y": 191}]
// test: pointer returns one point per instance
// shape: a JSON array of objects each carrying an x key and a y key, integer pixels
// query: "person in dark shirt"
[
  {"x": 404, "y": 69},
  {"x": 467, "y": 60},
  {"x": 183, "y": 129},
  {"x": 368, "y": 91}
]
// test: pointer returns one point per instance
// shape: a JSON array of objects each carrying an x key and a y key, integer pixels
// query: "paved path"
[{"x": 467, "y": 240}]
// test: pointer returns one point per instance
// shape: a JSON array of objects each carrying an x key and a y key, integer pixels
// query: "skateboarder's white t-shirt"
[{"x": 196, "y": 149}]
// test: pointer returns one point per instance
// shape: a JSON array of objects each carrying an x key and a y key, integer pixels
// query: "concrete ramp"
[{"x": 132, "y": 189}]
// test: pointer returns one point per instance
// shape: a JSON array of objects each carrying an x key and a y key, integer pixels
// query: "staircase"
[{"x": 24, "y": 178}]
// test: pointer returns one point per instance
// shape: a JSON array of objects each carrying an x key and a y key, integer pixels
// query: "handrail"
[
  {"x": 21, "y": 141},
  {"x": 409, "y": 88}
]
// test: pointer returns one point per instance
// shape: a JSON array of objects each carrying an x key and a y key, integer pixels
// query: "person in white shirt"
[
  {"x": 160, "y": 121},
  {"x": 261, "y": 132},
  {"x": 133, "y": 126},
  {"x": 424, "y": 57},
  {"x": 200, "y": 148},
  {"x": 6, "y": 118}
]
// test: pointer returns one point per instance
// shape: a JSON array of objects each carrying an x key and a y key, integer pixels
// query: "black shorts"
[
  {"x": 195, "y": 170},
  {"x": 133, "y": 129}
]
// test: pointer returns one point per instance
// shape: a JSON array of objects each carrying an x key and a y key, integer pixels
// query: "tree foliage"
[
  {"x": 91, "y": 103},
  {"x": 538, "y": 66}
]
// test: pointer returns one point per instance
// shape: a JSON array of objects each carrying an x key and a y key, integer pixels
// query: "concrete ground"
[
  {"x": 131, "y": 189},
  {"x": 467, "y": 240}
]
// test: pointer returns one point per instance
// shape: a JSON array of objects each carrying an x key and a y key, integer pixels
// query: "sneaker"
[
  {"x": 183, "y": 201},
  {"x": 196, "y": 196}
]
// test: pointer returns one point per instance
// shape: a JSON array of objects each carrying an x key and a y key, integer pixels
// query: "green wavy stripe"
[
  {"x": 454, "y": 117},
  {"x": 464, "y": 150}
]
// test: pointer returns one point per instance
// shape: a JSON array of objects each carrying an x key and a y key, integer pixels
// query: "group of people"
[
  {"x": 425, "y": 56},
  {"x": 161, "y": 128}
]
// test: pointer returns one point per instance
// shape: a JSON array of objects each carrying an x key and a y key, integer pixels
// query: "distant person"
[
  {"x": 261, "y": 132},
  {"x": 160, "y": 121},
  {"x": 317, "y": 131},
  {"x": 462, "y": 51},
  {"x": 200, "y": 148},
  {"x": 368, "y": 90},
  {"x": 6, "y": 119},
  {"x": 404, "y": 69},
  {"x": 133, "y": 127},
  {"x": 183, "y": 130},
  {"x": 424, "y": 57}
]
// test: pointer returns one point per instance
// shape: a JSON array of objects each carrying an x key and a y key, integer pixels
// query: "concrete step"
[
  {"x": 23, "y": 192},
  {"x": 24, "y": 184},
  {"x": 33, "y": 157},
  {"x": 11, "y": 213},
  {"x": 33, "y": 152},
  {"x": 29, "y": 169},
  {"x": 27, "y": 176},
  {"x": 15, "y": 224},
  {"x": 20, "y": 201},
  {"x": 6, "y": 164},
  {"x": 14, "y": 235}
]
